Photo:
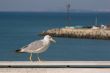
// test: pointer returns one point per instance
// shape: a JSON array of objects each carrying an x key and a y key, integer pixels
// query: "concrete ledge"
[
  {"x": 55, "y": 64},
  {"x": 54, "y": 70},
  {"x": 55, "y": 67}
]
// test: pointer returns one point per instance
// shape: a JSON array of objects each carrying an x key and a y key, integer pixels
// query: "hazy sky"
[{"x": 52, "y": 5}]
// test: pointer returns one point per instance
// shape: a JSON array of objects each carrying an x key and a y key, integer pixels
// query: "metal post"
[{"x": 68, "y": 13}]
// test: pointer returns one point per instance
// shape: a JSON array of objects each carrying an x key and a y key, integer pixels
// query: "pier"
[
  {"x": 55, "y": 66},
  {"x": 83, "y": 33}
]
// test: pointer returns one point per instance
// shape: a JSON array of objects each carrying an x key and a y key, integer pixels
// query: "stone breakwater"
[{"x": 83, "y": 33}]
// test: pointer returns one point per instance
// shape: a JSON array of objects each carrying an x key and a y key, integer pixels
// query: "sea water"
[{"x": 20, "y": 28}]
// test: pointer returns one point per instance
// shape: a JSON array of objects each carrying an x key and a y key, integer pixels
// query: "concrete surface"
[{"x": 55, "y": 67}]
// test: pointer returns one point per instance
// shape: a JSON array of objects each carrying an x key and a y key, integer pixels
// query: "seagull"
[{"x": 38, "y": 46}]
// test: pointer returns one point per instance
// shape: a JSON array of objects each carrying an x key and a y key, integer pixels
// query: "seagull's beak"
[{"x": 52, "y": 40}]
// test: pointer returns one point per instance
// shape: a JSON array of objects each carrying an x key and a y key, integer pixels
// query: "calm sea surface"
[{"x": 19, "y": 29}]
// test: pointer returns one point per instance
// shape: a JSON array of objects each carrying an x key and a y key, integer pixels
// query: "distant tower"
[{"x": 68, "y": 13}]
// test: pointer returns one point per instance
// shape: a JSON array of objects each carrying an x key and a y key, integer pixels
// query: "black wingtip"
[{"x": 18, "y": 51}]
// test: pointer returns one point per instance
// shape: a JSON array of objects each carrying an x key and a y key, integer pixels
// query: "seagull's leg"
[
  {"x": 30, "y": 57},
  {"x": 38, "y": 57}
]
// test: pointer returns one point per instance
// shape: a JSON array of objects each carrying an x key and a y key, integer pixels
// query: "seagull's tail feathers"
[{"x": 19, "y": 51}]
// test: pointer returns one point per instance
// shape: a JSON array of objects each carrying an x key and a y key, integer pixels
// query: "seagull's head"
[{"x": 49, "y": 38}]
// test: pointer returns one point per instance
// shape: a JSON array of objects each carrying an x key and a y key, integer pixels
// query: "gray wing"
[{"x": 33, "y": 46}]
